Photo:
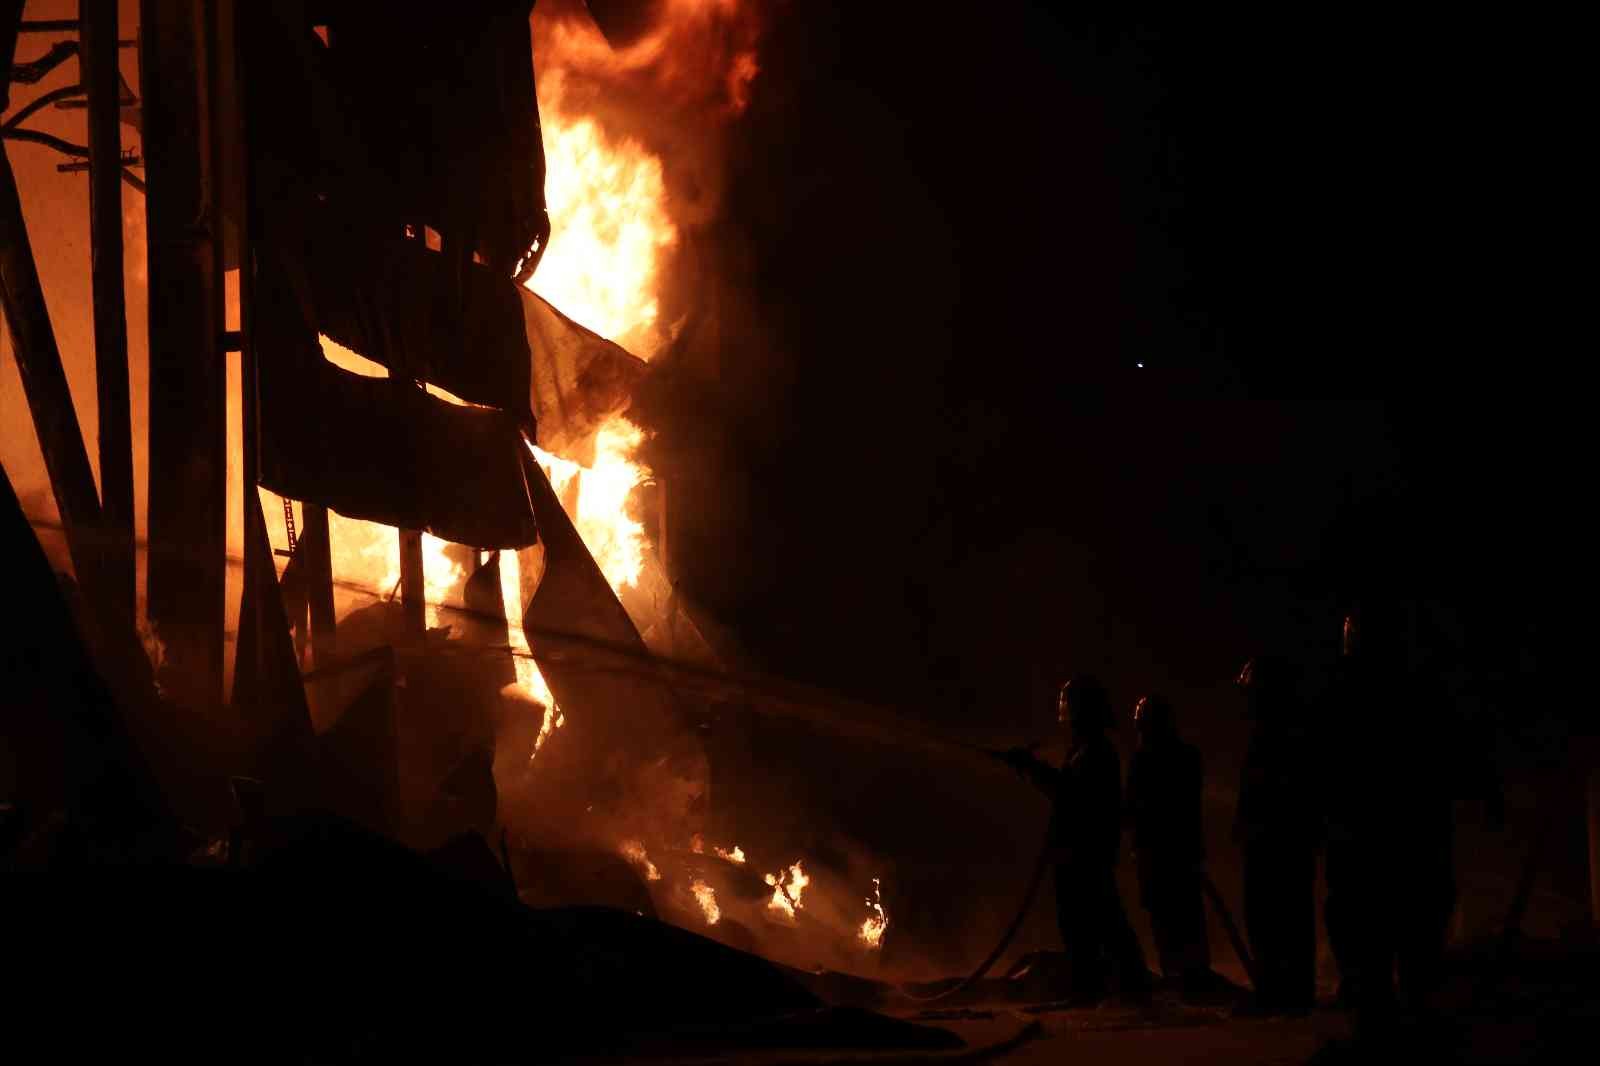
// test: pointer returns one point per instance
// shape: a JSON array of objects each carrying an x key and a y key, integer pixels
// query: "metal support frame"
[
  {"x": 188, "y": 379},
  {"x": 101, "y": 78}
]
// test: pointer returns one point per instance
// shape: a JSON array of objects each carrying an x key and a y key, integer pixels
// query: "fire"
[
  {"x": 736, "y": 855},
  {"x": 634, "y": 852},
  {"x": 529, "y": 679},
  {"x": 877, "y": 923},
  {"x": 699, "y": 55},
  {"x": 613, "y": 537},
  {"x": 786, "y": 892},
  {"x": 610, "y": 233},
  {"x": 609, "y": 230},
  {"x": 707, "y": 898}
]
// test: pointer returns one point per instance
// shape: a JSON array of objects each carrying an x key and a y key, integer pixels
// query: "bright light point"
[{"x": 1139, "y": 365}]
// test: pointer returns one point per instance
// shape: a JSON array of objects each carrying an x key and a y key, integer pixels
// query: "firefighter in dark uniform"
[
  {"x": 1402, "y": 760},
  {"x": 1278, "y": 829},
  {"x": 1086, "y": 832},
  {"x": 1165, "y": 779}
]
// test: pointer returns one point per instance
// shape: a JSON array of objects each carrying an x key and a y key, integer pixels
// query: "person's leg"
[
  {"x": 1298, "y": 932},
  {"x": 1121, "y": 942},
  {"x": 1156, "y": 895},
  {"x": 1080, "y": 937},
  {"x": 1345, "y": 922},
  {"x": 1428, "y": 902},
  {"x": 1190, "y": 908}
]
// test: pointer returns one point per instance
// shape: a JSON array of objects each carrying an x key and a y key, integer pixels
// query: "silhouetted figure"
[
  {"x": 1164, "y": 786},
  {"x": 1086, "y": 832},
  {"x": 1278, "y": 829},
  {"x": 1402, "y": 759}
]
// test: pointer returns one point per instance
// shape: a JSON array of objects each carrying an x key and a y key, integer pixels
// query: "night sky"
[{"x": 930, "y": 469}]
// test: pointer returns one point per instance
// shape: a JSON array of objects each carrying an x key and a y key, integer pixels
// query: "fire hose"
[
  {"x": 1031, "y": 893},
  {"x": 1040, "y": 865}
]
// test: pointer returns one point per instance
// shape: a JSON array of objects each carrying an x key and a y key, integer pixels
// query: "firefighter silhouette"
[
  {"x": 1086, "y": 833},
  {"x": 1165, "y": 778}
]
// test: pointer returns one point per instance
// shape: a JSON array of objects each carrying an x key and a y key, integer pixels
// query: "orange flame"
[
  {"x": 613, "y": 536},
  {"x": 700, "y": 55},
  {"x": 529, "y": 680},
  {"x": 634, "y": 852},
  {"x": 877, "y": 923},
  {"x": 736, "y": 855},
  {"x": 707, "y": 898},
  {"x": 786, "y": 892},
  {"x": 609, "y": 229}
]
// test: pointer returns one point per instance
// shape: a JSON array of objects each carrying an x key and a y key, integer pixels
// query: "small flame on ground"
[
  {"x": 634, "y": 852},
  {"x": 872, "y": 930},
  {"x": 786, "y": 890},
  {"x": 707, "y": 898}
]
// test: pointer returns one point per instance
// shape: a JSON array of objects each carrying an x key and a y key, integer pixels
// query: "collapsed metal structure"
[{"x": 375, "y": 177}]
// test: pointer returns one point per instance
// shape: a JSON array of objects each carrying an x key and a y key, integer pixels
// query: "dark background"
[
  {"x": 917, "y": 458},
  {"x": 927, "y": 467}
]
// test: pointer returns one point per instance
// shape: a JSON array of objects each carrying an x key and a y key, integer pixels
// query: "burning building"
[{"x": 397, "y": 552}]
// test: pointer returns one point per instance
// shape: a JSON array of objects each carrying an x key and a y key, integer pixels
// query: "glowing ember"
[
  {"x": 872, "y": 930},
  {"x": 736, "y": 855},
  {"x": 633, "y": 851},
  {"x": 786, "y": 892},
  {"x": 697, "y": 844},
  {"x": 707, "y": 898}
]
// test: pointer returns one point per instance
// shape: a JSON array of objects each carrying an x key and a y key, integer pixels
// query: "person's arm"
[{"x": 1031, "y": 768}]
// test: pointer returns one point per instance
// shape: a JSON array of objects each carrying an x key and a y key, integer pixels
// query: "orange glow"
[
  {"x": 736, "y": 855},
  {"x": 877, "y": 923},
  {"x": 707, "y": 898}
]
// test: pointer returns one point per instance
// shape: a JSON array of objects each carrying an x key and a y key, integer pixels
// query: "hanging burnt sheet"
[
  {"x": 375, "y": 448},
  {"x": 476, "y": 335},
  {"x": 444, "y": 97},
  {"x": 579, "y": 379},
  {"x": 418, "y": 312},
  {"x": 347, "y": 140}
]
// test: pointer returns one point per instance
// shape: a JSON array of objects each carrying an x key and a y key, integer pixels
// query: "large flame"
[
  {"x": 608, "y": 231},
  {"x": 611, "y": 231}
]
